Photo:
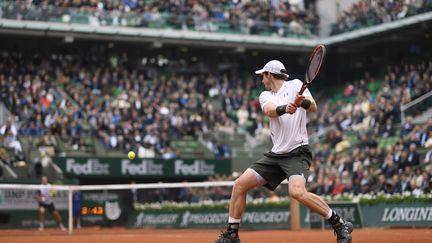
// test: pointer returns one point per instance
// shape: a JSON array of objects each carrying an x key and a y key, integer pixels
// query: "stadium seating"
[
  {"x": 250, "y": 17},
  {"x": 280, "y": 19},
  {"x": 365, "y": 13},
  {"x": 74, "y": 112}
]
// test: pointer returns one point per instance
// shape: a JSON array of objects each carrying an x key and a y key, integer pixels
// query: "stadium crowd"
[
  {"x": 128, "y": 104},
  {"x": 372, "y": 12},
  {"x": 351, "y": 159},
  {"x": 72, "y": 97},
  {"x": 247, "y": 17}
]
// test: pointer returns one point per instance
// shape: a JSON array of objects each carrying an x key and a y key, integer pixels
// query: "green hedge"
[{"x": 285, "y": 202}]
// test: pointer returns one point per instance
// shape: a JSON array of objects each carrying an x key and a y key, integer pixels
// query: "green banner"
[
  {"x": 397, "y": 215},
  {"x": 347, "y": 210},
  {"x": 17, "y": 219},
  {"x": 253, "y": 218},
  {"x": 143, "y": 168}
]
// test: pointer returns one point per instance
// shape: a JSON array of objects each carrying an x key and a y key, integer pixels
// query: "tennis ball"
[
  {"x": 53, "y": 193},
  {"x": 131, "y": 155}
]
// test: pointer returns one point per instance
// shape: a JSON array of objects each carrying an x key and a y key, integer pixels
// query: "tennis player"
[
  {"x": 290, "y": 156},
  {"x": 45, "y": 201}
]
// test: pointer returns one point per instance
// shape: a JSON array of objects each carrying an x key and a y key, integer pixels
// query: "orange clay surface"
[{"x": 120, "y": 235}]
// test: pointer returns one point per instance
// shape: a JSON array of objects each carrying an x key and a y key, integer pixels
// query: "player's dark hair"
[{"x": 283, "y": 75}]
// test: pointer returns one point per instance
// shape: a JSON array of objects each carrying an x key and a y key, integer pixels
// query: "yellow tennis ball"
[
  {"x": 131, "y": 155},
  {"x": 53, "y": 193}
]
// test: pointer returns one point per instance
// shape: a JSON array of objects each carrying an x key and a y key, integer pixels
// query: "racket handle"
[{"x": 303, "y": 88}]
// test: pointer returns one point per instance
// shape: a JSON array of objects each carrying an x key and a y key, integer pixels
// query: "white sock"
[
  {"x": 233, "y": 220},
  {"x": 41, "y": 225},
  {"x": 329, "y": 214}
]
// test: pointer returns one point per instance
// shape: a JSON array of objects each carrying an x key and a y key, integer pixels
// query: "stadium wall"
[
  {"x": 275, "y": 217},
  {"x": 278, "y": 217}
]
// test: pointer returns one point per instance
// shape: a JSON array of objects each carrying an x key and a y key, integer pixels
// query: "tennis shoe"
[
  {"x": 343, "y": 232},
  {"x": 225, "y": 237}
]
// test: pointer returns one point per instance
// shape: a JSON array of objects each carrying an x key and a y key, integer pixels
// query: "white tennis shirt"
[
  {"x": 287, "y": 131},
  {"x": 45, "y": 194}
]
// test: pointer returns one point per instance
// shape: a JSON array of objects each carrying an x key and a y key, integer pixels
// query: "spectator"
[
  {"x": 389, "y": 168},
  {"x": 405, "y": 184},
  {"x": 10, "y": 132},
  {"x": 168, "y": 153},
  {"x": 146, "y": 151},
  {"x": 413, "y": 157},
  {"x": 38, "y": 169},
  {"x": 76, "y": 208},
  {"x": 338, "y": 187},
  {"x": 387, "y": 130},
  {"x": 428, "y": 155},
  {"x": 242, "y": 116},
  {"x": 407, "y": 127}
]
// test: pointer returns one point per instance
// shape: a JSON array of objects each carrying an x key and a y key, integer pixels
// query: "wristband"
[
  {"x": 280, "y": 110},
  {"x": 306, "y": 104}
]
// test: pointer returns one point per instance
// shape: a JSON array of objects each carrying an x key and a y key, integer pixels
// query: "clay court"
[{"x": 121, "y": 235}]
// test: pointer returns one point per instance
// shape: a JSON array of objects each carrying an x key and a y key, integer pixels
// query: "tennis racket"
[{"x": 315, "y": 63}]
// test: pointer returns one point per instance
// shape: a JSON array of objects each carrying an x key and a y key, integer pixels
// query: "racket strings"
[{"x": 315, "y": 64}]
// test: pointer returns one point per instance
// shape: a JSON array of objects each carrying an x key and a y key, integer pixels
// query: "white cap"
[{"x": 274, "y": 66}]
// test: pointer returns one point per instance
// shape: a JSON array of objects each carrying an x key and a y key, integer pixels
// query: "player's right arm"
[
  {"x": 271, "y": 109},
  {"x": 267, "y": 106}
]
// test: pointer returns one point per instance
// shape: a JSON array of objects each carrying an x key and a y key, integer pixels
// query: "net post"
[
  {"x": 70, "y": 216},
  {"x": 322, "y": 223},
  {"x": 295, "y": 214}
]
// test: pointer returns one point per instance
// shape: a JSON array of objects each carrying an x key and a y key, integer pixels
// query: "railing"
[
  {"x": 4, "y": 114},
  {"x": 8, "y": 170},
  {"x": 407, "y": 106}
]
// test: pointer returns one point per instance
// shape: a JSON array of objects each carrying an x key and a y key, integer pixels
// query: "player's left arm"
[
  {"x": 313, "y": 105},
  {"x": 306, "y": 101}
]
